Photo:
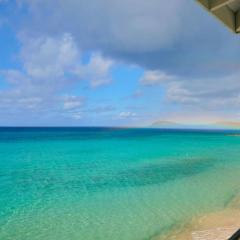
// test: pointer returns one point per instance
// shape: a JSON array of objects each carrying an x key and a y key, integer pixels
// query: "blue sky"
[{"x": 115, "y": 63}]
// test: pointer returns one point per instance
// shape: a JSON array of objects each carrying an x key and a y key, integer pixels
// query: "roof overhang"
[{"x": 228, "y": 11}]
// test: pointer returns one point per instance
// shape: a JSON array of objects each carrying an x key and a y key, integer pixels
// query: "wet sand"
[{"x": 217, "y": 225}]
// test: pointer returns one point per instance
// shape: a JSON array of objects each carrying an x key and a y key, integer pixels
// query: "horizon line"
[{"x": 129, "y": 127}]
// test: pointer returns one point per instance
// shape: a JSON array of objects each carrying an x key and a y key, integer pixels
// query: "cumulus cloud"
[
  {"x": 47, "y": 57},
  {"x": 77, "y": 115},
  {"x": 51, "y": 66},
  {"x": 155, "y": 77},
  {"x": 127, "y": 115},
  {"x": 97, "y": 71},
  {"x": 216, "y": 93},
  {"x": 72, "y": 102},
  {"x": 192, "y": 64},
  {"x": 54, "y": 58},
  {"x": 43, "y": 74}
]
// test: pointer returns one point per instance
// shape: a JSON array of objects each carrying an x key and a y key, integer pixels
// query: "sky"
[{"x": 115, "y": 63}]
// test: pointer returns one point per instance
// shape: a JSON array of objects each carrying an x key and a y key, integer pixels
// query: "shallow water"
[{"x": 103, "y": 183}]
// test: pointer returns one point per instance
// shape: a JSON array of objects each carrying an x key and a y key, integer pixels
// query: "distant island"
[
  {"x": 175, "y": 125},
  {"x": 229, "y": 124}
]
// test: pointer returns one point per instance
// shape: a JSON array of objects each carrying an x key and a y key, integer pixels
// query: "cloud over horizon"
[
  {"x": 50, "y": 66},
  {"x": 81, "y": 56}
]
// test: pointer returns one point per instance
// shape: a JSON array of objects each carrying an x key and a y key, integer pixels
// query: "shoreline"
[{"x": 220, "y": 224}]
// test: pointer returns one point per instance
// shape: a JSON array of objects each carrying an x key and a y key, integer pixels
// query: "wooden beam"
[
  {"x": 221, "y": 10},
  {"x": 235, "y": 236},
  {"x": 238, "y": 21},
  {"x": 205, "y": 3},
  {"x": 227, "y": 17},
  {"x": 216, "y": 4}
]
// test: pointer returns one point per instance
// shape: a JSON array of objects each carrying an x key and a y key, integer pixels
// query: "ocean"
[{"x": 112, "y": 183}]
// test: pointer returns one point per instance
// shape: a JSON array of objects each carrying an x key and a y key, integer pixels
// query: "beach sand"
[{"x": 212, "y": 226}]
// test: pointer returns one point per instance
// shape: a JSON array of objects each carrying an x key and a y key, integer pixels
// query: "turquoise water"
[{"x": 103, "y": 183}]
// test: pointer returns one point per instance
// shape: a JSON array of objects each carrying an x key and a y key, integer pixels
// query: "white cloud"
[
  {"x": 177, "y": 93},
  {"x": 77, "y": 115},
  {"x": 216, "y": 93},
  {"x": 220, "y": 93},
  {"x": 137, "y": 31},
  {"x": 58, "y": 59},
  {"x": 96, "y": 71},
  {"x": 155, "y": 77},
  {"x": 30, "y": 102},
  {"x": 51, "y": 67},
  {"x": 72, "y": 102},
  {"x": 47, "y": 57},
  {"x": 127, "y": 115},
  {"x": 47, "y": 66}
]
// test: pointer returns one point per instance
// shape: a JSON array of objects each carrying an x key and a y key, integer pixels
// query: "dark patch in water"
[
  {"x": 156, "y": 174},
  {"x": 153, "y": 174}
]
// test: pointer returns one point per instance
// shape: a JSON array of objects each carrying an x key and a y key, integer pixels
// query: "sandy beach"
[{"x": 217, "y": 225}]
